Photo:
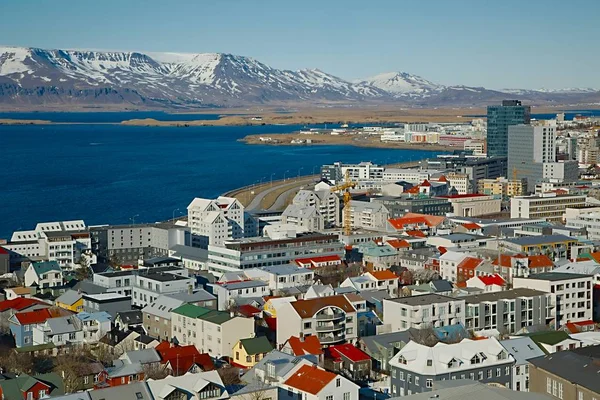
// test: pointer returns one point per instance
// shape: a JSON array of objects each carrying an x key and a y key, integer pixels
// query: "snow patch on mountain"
[{"x": 402, "y": 83}]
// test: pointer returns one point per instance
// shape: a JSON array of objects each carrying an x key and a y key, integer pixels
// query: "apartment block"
[
  {"x": 212, "y": 222},
  {"x": 549, "y": 206},
  {"x": 326, "y": 202},
  {"x": 368, "y": 215},
  {"x": 502, "y": 187},
  {"x": 422, "y": 311}
]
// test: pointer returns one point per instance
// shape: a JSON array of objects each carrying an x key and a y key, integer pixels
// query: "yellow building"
[
  {"x": 501, "y": 187},
  {"x": 70, "y": 300},
  {"x": 248, "y": 352}
]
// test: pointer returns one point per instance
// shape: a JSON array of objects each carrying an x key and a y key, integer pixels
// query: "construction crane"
[{"x": 344, "y": 188}]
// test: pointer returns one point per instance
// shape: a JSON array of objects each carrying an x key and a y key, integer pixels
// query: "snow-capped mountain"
[
  {"x": 38, "y": 78},
  {"x": 402, "y": 84}
]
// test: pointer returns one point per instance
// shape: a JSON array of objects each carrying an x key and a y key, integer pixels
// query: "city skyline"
[{"x": 512, "y": 45}]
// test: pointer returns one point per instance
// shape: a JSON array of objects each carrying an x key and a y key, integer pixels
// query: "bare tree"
[
  {"x": 230, "y": 375},
  {"x": 12, "y": 361},
  {"x": 257, "y": 390},
  {"x": 155, "y": 371},
  {"x": 425, "y": 336}
]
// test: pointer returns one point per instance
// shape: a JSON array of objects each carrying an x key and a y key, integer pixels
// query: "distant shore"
[
  {"x": 24, "y": 122},
  {"x": 285, "y": 139}
]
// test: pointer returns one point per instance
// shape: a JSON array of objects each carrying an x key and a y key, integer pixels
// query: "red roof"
[
  {"x": 541, "y": 261},
  {"x": 425, "y": 183},
  {"x": 271, "y": 323},
  {"x": 248, "y": 310},
  {"x": 398, "y": 244},
  {"x": 20, "y": 303},
  {"x": 442, "y": 179},
  {"x": 310, "y": 379},
  {"x": 418, "y": 234},
  {"x": 3, "y": 250},
  {"x": 182, "y": 358},
  {"x": 348, "y": 351},
  {"x": 163, "y": 345},
  {"x": 471, "y": 226},
  {"x": 492, "y": 280},
  {"x": 319, "y": 259},
  {"x": 416, "y": 219},
  {"x": 469, "y": 263},
  {"x": 308, "y": 345},
  {"x": 386, "y": 274},
  {"x": 442, "y": 250},
  {"x": 464, "y": 196}
]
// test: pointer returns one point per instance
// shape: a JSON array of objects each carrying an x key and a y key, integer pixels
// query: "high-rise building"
[
  {"x": 532, "y": 156},
  {"x": 499, "y": 118}
]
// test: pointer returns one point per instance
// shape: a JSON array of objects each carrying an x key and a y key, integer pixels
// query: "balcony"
[
  {"x": 331, "y": 339},
  {"x": 331, "y": 317},
  {"x": 330, "y": 327}
]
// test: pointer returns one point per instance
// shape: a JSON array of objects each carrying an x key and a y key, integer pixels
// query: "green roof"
[
  {"x": 43, "y": 267},
  {"x": 206, "y": 314},
  {"x": 191, "y": 311},
  {"x": 550, "y": 338},
  {"x": 39, "y": 347},
  {"x": 14, "y": 388},
  {"x": 256, "y": 345}
]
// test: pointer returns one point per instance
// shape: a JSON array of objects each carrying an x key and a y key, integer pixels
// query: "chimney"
[
  {"x": 231, "y": 314},
  {"x": 190, "y": 289},
  {"x": 302, "y": 337}
]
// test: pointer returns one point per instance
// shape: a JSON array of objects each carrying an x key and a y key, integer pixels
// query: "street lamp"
[
  {"x": 300, "y": 169},
  {"x": 272, "y": 178},
  {"x": 177, "y": 209},
  {"x": 132, "y": 219},
  {"x": 284, "y": 174}
]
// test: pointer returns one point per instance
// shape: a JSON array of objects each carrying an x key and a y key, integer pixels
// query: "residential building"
[
  {"x": 368, "y": 215},
  {"x": 275, "y": 368},
  {"x": 567, "y": 375},
  {"x": 382, "y": 347},
  {"x": 466, "y": 389},
  {"x": 264, "y": 252},
  {"x": 332, "y": 319},
  {"x": 43, "y": 274},
  {"x": 212, "y": 222},
  {"x": 522, "y": 349},
  {"x": 473, "y": 205},
  {"x": 551, "y": 342},
  {"x": 4, "y": 261},
  {"x": 348, "y": 360},
  {"x": 305, "y": 218},
  {"x": 181, "y": 360},
  {"x": 249, "y": 351},
  {"x": 29, "y": 387},
  {"x": 502, "y": 187},
  {"x": 326, "y": 202},
  {"x": 553, "y": 246},
  {"x": 398, "y": 206},
  {"x": 549, "y": 206},
  {"x": 203, "y": 385},
  {"x": 112, "y": 303},
  {"x": 508, "y": 311},
  {"x": 519, "y": 265},
  {"x": 193, "y": 258},
  {"x": 416, "y": 367},
  {"x": 499, "y": 118},
  {"x": 18, "y": 292},
  {"x": 212, "y": 332},
  {"x": 127, "y": 244},
  {"x": 590, "y": 221},
  {"x": 70, "y": 300},
  {"x": 319, "y": 262},
  {"x": 282, "y": 276},
  {"x": 304, "y": 345},
  {"x": 314, "y": 383},
  {"x": 573, "y": 293},
  {"x": 421, "y": 311},
  {"x": 21, "y": 324},
  {"x": 231, "y": 293},
  {"x": 129, "y": 319}
]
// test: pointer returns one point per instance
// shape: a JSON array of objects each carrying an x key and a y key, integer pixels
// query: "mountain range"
[{"x": 36, "y": 78}]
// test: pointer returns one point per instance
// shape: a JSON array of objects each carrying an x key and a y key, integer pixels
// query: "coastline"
[{"x": 373, "y": 141}]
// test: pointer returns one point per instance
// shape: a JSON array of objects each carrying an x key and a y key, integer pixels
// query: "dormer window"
[
  {"x": 402, "y": 360},
  {"x": 429, "y": 363},
  {"x": 476, "y": 359},
  {"x": 453, "y": 363},
  {"x": 502, "y": 355}
]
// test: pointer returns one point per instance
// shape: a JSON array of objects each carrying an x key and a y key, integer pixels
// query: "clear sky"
[{"x": 491, "y": 43}]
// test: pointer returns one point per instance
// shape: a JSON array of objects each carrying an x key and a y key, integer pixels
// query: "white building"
[
  {"x": 522, "y": 349},
  {"x": 590, "y": 221},
  {"x": 368, "y": 215},
  {"x": 449, "y": 262},
  {"x": 548, "y": 205},
  {"x": 332, "y": 319},
  {"x": 282, "y": 276},
  {"x": 212, "y": 222},
  {"x": 474, "y": 205},
  {"x": 43, "y": 274},
  {"x": 421, "y": 311},
  {"x": 228, "y": 293},
  {"x": 573, "y": 294},
  {"x": 326, "y": 202},
  {"x": 192, "y": 386},
  {"x": 314, "y": 383},
  {"x": 411, "y": 175},
  {"x": 212, "y": 332},
  {"x": 308, "y": 218}
]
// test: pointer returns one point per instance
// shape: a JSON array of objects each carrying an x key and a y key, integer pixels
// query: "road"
[{"x": 294, "y": 184}]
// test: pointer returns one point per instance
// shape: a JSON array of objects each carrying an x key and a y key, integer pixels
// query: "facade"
[
  {"x": 112, "y": 303},
  {"x": 44, "y": 274},
  {"x": 212, "y": 222},
  {"x": 127, "y": 244},
  {"x": 522, "y": 349},
  {"x": 590, "y": 221},
  {"x": 314, "y": 383},
  {"x": 502, "y": 186},
  {"x": 326, "y": 202},
  {"x": 473, "y": 205},
  {"x": 264, "y": 252},
  {"x": 416, "y": 367},
  {"x": 573, "y": 294},
  {"x": 368, "y": 215},
  {"x": 421, "y": 311},
  {"x": 305, "y": 218},
  {"x": 71, "y": 301},
  {"x": 508, "y": 311},
  {"x": 212, "y": 332},
  {"x": 549, "y": 206},
  {"x": 332, "y": 319},
  {"x": 280, "y": 277},
  {"x": 398, "y": 206},
  {"x": 248, "y": 352},
  {"x": 229, "y": 293},
  {"x": 553, "y": 246},
  {"x": 499, "y": 118}
]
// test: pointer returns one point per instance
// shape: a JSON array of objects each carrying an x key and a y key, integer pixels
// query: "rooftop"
[
  {"x": 502, "y": 295},
  {"x": 556, "y": 276},
  {"x": 538, "y": 240},
  {"x": 310, "y": 379},
  {"x": 422, "y": 299},
  {"x": 308, "y": 308}
]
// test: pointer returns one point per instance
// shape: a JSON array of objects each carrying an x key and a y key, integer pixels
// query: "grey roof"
[
  {"x": 454, "y": 237},
  {"x": 463, "y": 389},
  {"x": 375, "y": 295},
  {"x": 69, "y": 297},
  {"x": 441, "y": 285},
  {"x": 502, "y": 295},
  {"x": 586, "y": 267},
  {"x": 556, "y": 276},
  {"x": 189, "y": 252},
  {"x": 522, "y": 349},
  {"x": 164, "y": 276},
  {"x": 374, "y": 343},
  {"x": 160, "y": 260},
  {"x": 537, "y": 240},
  {"x": 576, "y": 368},
  {"x": 345, "y": 289},
  {"x": 133, "y": 391},
  {"x": 422, "y": 299},
  {"x": 197, "y": 296},
  {"x": 241, "y": 285},
  {"x": 162, "y": 306},
  {"x": 89, "y": 288},
  {"x": 141, "y": 356},
  {"x": 283, "y": 364},
  {"x": 73, "y": 396},
  {"x": 130, "y": 317},
  {"x": 294, "y": 210},
  {"x": 286, "y": 269},
  {"x": 62, "y": 325}
]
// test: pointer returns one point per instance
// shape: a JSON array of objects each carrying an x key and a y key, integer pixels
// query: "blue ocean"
[{"x": 107, "y": 174}]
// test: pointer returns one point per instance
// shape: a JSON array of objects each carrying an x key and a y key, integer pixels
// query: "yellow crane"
[{"x": 344, "y": 188}]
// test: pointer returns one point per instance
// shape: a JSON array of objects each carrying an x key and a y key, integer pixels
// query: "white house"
[
  {"x": 43, "y": 274},
  {"x": 326, "y": 202},
  {"x": 522, "y": 349},
  {"x": 314, "y": 383},
  {"x": 198, "y": 386},
  {"x": 423, "y": 311},
  {"x": 282, "y": 276},
  {"x": 212, "y": 222},
  {"x": 228, "y": 292},
  {"x": 308, "y": 218}
]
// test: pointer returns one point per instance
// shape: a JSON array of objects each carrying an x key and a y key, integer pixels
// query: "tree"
[
  {"x": 16, "y": 363},
  {"x": 257, "y": 390},
  {"x": 155, "y": 371},
  {"x": 230, "y": 375},
  {"x": 72, "y": 366}
]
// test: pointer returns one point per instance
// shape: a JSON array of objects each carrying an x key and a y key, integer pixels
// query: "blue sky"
[{"x": 491, "y": 43}]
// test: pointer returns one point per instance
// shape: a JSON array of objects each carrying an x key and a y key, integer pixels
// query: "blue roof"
[
  {"x": 451, "y": 331},
  {"x": 285, "y": 269},
  {"x": 100, "y": 316},
  {"x": 43, "y": 267}
]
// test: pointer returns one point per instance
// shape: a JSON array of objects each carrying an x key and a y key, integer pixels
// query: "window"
[
  {"x": 248, "y": 358},
  {"x": 393, "y": 372},
  {"x": 417, "y": 380},
  {"x": 42, "y": 393},
  {"x": 346, "y": 396},
  {"x": 429, "y": 383},
  {"x": 401, "y": 376},
  {"x": 472, "y": 376},
  {"x": 554, "y": 388},
  {"x": 338, "y": 382},
  {"x": 123, "y": 380},
  {"x": 480, "y": 375},
  {"x": 329, "y": 397},
  {"x": 402, "y": 360},
  {"x": 429, "y": 363},
  {"x": 498, "y": 372},
  {"x": 489, "y": 374},
  {"x": 86, "y": 380},
  {"x": 139, "y": 396}
]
